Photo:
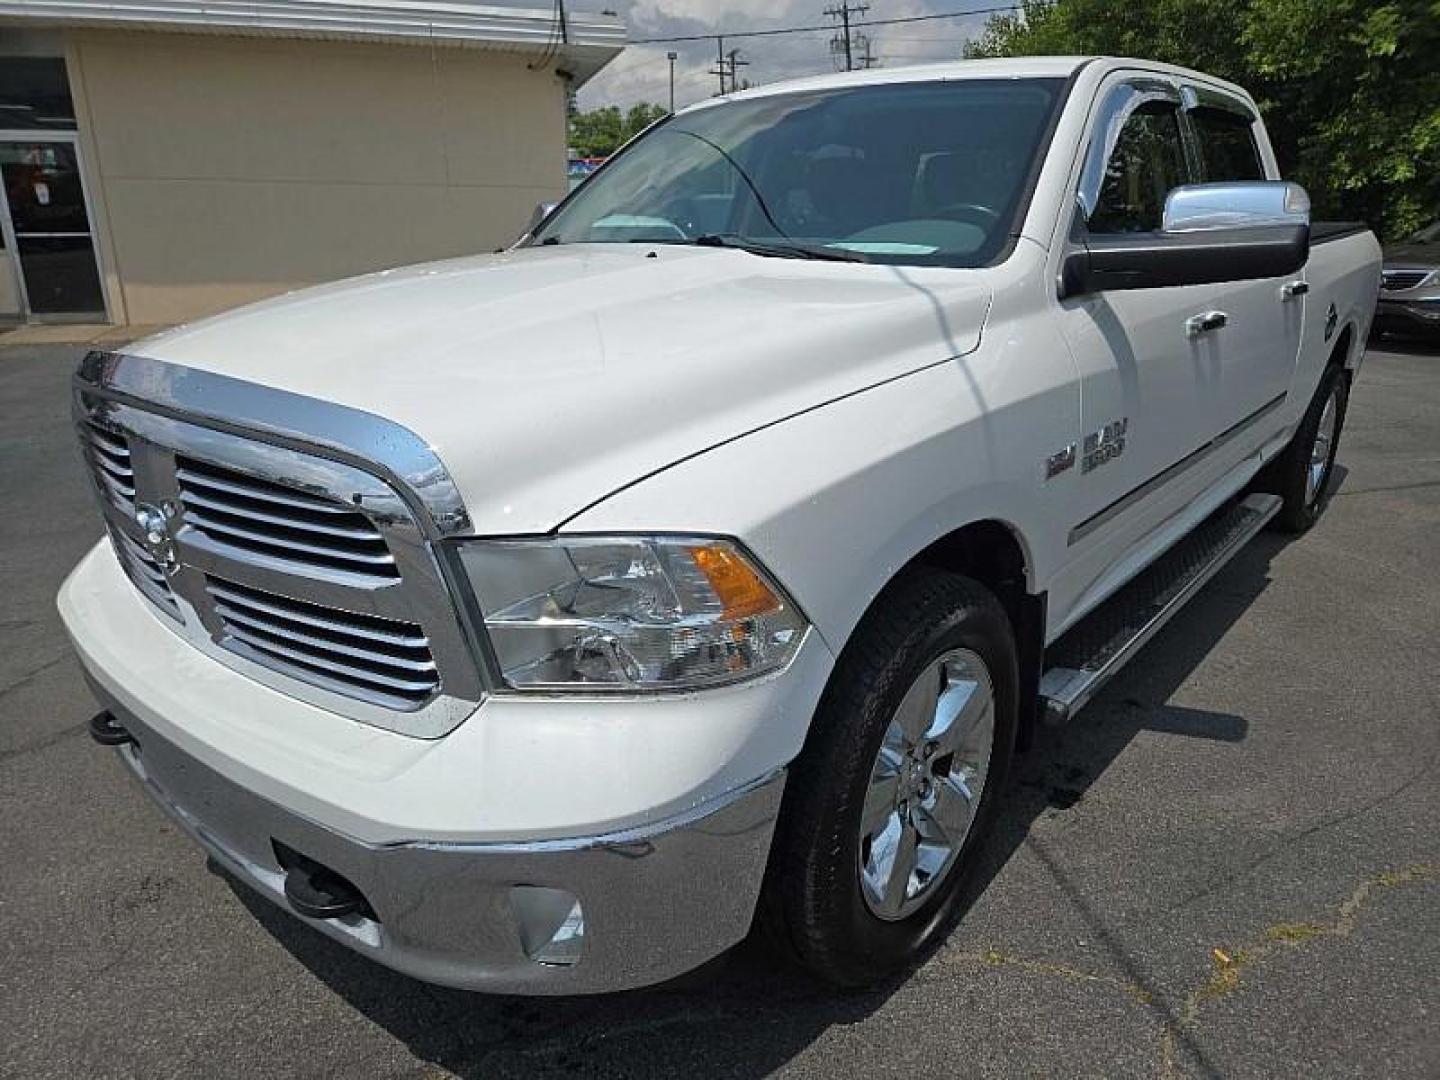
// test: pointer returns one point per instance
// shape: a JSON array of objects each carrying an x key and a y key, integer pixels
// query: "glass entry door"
[{"x": 47, "y": 227}]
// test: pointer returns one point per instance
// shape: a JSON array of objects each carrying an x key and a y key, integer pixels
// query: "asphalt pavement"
[{"x": 1228, "y": 865}]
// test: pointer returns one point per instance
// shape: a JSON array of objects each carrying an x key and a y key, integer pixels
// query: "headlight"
[{"x": 628, "y": 613}]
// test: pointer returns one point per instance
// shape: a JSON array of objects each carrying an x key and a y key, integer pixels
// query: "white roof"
[
  {"x": 593, "y": 40},
  {"x": 1021, "y": 67},
  {"x": 1017, "y": 67}
]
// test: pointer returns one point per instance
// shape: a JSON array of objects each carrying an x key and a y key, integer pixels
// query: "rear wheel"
[
  {"x": 898, "y": 781},
  {"x": 1301, "y": 474}
]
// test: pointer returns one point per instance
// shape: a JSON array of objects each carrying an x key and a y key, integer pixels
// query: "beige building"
[{"x": 164, "y": 160}]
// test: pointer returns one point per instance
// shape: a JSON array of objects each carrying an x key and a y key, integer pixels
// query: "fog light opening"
[{"x": 551, "y": 923}]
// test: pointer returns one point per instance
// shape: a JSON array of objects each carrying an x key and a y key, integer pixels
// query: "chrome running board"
[{"x": 1086, "y": 656}]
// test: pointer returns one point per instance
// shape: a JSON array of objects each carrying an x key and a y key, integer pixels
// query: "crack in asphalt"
[
  {"x": 994, "y": 958},
  {"x": 1225, "y": 976},
  {"x": 30, "y": 676},
  {"x": 1289, "y": 840},
  {"x": 49, "y": 741}
]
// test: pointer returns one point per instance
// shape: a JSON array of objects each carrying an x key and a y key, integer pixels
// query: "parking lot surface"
[{"x": 1229, "y": 865}]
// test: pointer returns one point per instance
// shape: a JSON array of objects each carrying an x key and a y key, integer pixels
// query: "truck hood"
[{"x": 547, "y": 378}]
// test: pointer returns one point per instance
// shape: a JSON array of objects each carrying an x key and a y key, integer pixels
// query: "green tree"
[
  {"x": 600, "y": 132},
  {"x": 1349, "y": 89}
]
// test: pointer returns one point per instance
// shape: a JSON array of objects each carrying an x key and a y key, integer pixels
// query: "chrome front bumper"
[{"x": 654, "y": 902}]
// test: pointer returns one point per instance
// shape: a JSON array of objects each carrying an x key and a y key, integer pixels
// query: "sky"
[{"x": 642, "y": 72}]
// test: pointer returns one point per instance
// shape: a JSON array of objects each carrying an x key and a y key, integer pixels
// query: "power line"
[{"x": 895, "y": 21}]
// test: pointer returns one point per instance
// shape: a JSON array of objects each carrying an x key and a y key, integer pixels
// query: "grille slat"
[
  {"x": 109, "y": 457},
  {"x": 277, "y": 539},
  {"x": 1399, "y": 280},
  {"x": 147, "y": 575},
  {"x": 313, "y": 615},
  {"x": 320, "y": 644},
  {"x": 194, "y": 474},
  {"x": 120, "y": 490},
  {"x": 330, "y": 666},
  {"x": 254, "y": 515},
  {"x": 114, "y": 443},
  {"x": 123, "y": 474},
  {"x": 361, "y": 653},
  {"x": 344, "y": 532}
]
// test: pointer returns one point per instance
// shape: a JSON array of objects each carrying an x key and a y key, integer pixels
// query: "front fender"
[{"x": 838, "y": 500}]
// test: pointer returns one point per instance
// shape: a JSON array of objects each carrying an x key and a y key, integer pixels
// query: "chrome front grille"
[
  {"x": 109, "y": 458},
  {"x": 271, "y": 519},
  {"x": 350, "y": 652},
  {"x": 1399, "y": 280},
  {"x": 291, "y": 541}
]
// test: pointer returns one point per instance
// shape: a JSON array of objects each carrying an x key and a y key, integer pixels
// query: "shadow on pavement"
[{"x": 746, "y": 1013}]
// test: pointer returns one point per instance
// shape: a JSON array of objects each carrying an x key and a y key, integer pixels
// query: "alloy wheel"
[{"x": 926, "y": 784}]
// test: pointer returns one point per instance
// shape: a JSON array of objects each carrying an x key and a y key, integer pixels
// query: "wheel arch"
[
  {"x": 1345, "y": 354},
  {"x": 994, "y": 553}
]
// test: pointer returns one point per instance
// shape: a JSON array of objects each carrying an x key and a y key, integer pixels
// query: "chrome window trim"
[
  {"x": 1203, "y": 97},
  {"x": 1121, "y": 100},
  {"x": 268, "y": 434}
]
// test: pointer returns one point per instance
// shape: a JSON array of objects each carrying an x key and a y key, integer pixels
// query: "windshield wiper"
[{"x": 779, "y": 249}]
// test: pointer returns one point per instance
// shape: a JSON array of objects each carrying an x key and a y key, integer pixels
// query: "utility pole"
[
  {"x": 719, "y": 68},
  {"x": 672, "y": 56},
  {"x": 726, "y": 65},
  {"x": 734, "y": 63},
  {"x": 842, "y": 43},
  {"x": 868, "y": 59}
]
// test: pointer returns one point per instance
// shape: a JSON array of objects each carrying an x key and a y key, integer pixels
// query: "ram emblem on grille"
[{"x": 161, "y": 547}]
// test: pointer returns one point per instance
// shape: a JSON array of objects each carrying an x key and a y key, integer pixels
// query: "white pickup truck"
[{"x": 532, "y": 622}]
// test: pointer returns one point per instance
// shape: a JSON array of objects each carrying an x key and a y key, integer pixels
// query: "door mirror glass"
[{"x": 1246, "y": 204}]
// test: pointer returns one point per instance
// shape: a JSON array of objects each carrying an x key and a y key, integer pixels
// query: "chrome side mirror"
[
  {"x": 1247, "y": 204},
  {"x": 1210, "y": 233}
]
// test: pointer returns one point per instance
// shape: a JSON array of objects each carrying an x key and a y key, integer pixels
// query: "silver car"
[{"x": 1410, "y": 286}]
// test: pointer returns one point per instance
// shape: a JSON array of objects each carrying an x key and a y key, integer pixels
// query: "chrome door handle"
[
  {"x": 1291, "y": 289},
  {"x": 1205, "y": 322}
]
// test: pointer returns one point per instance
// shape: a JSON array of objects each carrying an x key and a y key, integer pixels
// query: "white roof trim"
[{"x": 593, "y": 39}]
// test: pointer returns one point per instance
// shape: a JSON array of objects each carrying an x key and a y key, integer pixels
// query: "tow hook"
[
  {"x": 316, "y": 891},
  {"x": 106, "y": 730}
]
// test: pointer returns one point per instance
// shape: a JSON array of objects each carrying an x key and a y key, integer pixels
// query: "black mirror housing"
[{"x": 1160, "y": 260}]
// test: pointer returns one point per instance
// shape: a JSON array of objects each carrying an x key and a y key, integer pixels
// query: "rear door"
[{"x": 1253, "y": 355}]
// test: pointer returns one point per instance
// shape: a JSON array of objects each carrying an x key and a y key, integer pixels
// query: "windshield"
[{"x": 921, "y": 173}]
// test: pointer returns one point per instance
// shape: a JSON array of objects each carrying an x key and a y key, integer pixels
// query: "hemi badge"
[{"x": 1059, "y": 461}]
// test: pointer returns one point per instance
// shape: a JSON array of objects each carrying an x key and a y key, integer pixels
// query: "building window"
[{"x": 35, "y": 94}]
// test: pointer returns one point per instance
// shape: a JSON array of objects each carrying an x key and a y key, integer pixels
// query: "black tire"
[
  {"x": 813, "y": 902},
  {"x": 1286, "y": 476}
]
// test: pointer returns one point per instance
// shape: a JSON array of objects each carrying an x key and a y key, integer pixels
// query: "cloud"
[{"x": 642, "y": 72}]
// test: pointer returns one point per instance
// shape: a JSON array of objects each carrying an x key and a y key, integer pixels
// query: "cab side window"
[
  {"x": 1227, "y": 146},
  {"x": 1147, "y": 163}
]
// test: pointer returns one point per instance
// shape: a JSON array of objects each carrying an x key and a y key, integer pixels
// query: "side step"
[{"x": 1085, "y": 657}]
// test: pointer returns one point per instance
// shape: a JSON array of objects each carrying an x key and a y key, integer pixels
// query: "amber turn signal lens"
[{"x": 739, "y": 588}]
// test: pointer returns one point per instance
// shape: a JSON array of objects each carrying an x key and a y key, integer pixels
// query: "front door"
[
  {"x": 47, "y": 229},
  {"x": 1149, "y": 392}
]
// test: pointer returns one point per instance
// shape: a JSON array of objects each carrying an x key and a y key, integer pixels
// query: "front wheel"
[
  {"x": 898, "y": 781},
  {"x": 1300, "y": 475}
]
